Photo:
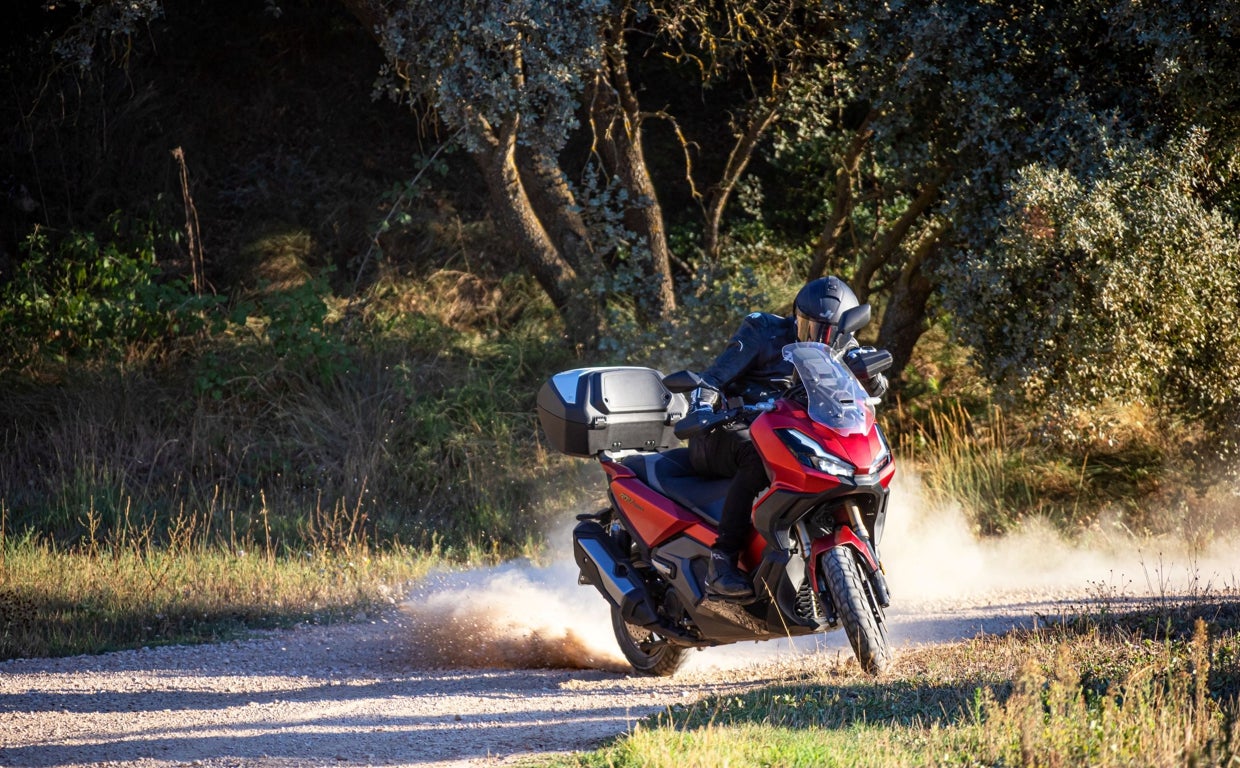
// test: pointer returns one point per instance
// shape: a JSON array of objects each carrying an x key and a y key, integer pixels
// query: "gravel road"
[
  {"x": 492, "y": 666},
  {"x": 361, "y": 694}
]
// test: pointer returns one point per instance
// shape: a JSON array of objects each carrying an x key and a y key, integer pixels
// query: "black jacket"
[{"x": 752, "y": 366}]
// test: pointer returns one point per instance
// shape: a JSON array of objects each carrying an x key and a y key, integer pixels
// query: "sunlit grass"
[
  {"x": 973, "y": 463},
  {"x": 1004, "y": 470},
  {"x": 130, "y": 589},
  {"x": 1077, "y": 694}
]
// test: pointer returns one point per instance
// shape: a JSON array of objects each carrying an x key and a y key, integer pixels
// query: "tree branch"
[
  {"x": 738, "y": 160},
  {"x": 895, "y": 235},
  {"x": 842, "y": 205}
]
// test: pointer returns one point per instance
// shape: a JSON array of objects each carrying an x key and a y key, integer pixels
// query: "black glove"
[
  {"x": 704, "y": 399},
  {"x": 876, "y": 386},
  {"x": 866, "y": 363}
]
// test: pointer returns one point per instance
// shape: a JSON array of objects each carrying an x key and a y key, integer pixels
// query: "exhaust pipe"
[{"x": 603, "y": 565}]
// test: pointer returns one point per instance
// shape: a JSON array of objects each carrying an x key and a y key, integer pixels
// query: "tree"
[
  {"x": 763, "y": 54},
  {"x": 943, "y": 103},
  {"x": 507, "y": 79},
  {"x": 513, "y": 80},
  {"x": 1122, "y": 286}
]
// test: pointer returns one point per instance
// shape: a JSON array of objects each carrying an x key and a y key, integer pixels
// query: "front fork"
[{"x": 852, "y": 534}]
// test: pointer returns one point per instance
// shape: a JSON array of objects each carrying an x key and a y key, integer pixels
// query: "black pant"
[{"x": 726, "y": 453}]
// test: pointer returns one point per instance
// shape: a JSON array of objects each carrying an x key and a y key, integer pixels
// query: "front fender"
[{"x": 842, "y": 536}]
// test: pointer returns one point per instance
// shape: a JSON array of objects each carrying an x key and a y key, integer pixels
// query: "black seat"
[{"x": 671, "y": 474}]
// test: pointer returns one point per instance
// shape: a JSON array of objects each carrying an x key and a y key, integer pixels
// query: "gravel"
[
  {"x": 486, "y": 667},
  {"x": 353, "y": 694},
  {"x": 366, "y": 694}
]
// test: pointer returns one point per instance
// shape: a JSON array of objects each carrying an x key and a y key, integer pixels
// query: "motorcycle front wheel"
[
  {"x": 858, "y": 612},
  {"x": 649, "y": 653}
]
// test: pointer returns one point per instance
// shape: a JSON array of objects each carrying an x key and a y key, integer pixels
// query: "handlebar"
[{"x": 697, "y": 422}]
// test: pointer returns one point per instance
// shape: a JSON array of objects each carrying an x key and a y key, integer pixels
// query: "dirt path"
[
  {"x": 453, "y": 677},
  {"x": 366, "y": 694}
]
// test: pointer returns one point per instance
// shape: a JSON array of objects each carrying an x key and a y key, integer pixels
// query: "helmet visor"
[{"x": 811, "y": 329}]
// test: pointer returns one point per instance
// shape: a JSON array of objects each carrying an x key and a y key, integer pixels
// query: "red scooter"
[{"x": 813, "y": 556}]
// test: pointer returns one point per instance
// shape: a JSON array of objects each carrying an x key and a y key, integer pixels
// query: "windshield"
[{"x": 834, "y": 395}]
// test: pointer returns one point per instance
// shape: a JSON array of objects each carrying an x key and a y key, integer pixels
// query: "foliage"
[
  {"x": 428, "y": 431},
  {"x": 111, "y": 24},
  {"x": 939, "y": 105},
  {"x": 714, "y": 298},
  {"x": 1121, "y": 285},
  {"x": 294, "y": 326},
  {"x": 77, "y": 294},
  {"x": 480, "y": 68}
]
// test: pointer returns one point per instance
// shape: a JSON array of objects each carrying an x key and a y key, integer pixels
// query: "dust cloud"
[
  {"x": 513, "y": 616},
  {"x": 930, "y": 554}
]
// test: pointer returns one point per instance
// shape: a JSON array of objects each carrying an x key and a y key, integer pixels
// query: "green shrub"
[{"x": 77, "y": 294}]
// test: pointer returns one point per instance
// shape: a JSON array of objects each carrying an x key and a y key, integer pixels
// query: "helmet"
[{"x": 819, "y": 306}]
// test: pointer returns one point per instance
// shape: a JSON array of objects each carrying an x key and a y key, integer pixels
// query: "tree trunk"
[
  {"x": 555, "y": 249},
  {"x": 616, "y": 108},
  {"x": 556, "y": 206},
  {"x": 738, "y": 159},
  {"x": 904, "y": 320},
  {"x": 828, "y": 246},
  {"x": 517, "y": 219},
  {"x": 894, "y": 237}
]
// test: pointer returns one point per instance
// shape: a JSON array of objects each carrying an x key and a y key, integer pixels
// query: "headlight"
[{"x": 811, "y": 454}]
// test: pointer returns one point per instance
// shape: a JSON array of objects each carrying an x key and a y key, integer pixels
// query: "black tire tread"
[
  {"x": 865, "y": 633},
  {"x": 663, "y": 661}
]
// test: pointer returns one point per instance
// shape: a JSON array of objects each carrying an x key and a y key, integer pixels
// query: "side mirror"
[
  {"x": 682, "y": 381},
  {"x": 855, "y": 319}
]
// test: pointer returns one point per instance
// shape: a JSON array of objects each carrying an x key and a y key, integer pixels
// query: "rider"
[{"x": 752, "y": 368}]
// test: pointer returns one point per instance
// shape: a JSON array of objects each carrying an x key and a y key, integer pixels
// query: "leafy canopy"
[{"x": 1122, "y": 285}]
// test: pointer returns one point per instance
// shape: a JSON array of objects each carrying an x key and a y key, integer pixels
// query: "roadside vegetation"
[
  {"x": 273, "y": 367},
  {"x": 291, "y": 457}
]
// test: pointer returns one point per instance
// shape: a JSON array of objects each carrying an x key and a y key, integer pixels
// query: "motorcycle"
[{"x": 813, "y": 554}]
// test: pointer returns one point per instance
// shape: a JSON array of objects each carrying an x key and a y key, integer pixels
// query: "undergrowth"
[
  {"x": 299, "y": 420},
  {"x": 136, "y": 591},
  {"x": 1078, "y": 693},
  {"x": 1123, "y": 471}
]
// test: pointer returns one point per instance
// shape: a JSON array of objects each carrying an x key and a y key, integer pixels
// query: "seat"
[{"x": 671, "y": 474}]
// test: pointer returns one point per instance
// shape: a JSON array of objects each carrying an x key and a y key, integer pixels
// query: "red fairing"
[
  {"x": 615, "y": 469},
  {"x": 861, "y": 449},
  {"x": 654, "y": 517}
]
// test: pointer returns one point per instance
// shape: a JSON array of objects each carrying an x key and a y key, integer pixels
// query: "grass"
[
  {"x": 135, "y": 589},
  {"x": 303, "y": 462},
  {"x": 1004, "y": 470},
  {"x": 1084, "y": 692},
  {"x": 430, "y": 432},
  {"x": 304, "y": 465}
]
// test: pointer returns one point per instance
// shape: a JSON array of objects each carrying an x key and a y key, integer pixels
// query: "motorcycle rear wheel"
[
  {"x": 649, "y": 653},
  {"x": 860, "y": 615}
]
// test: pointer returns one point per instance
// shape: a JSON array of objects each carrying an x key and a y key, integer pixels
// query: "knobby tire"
[
  {"x": 861, "y": 617},
  {"x": 648, "y": 653}
]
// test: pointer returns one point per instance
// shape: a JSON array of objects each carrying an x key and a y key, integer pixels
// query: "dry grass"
[
  {"x": 1077, "y": 694},
  {"x": 1005, "y": 469},
  {"x": 141, "y": 586},
  {"x": 229, "y": 481}
]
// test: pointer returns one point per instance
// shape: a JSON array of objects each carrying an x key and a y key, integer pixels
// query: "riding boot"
[{"x": 724, "y": 579}]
